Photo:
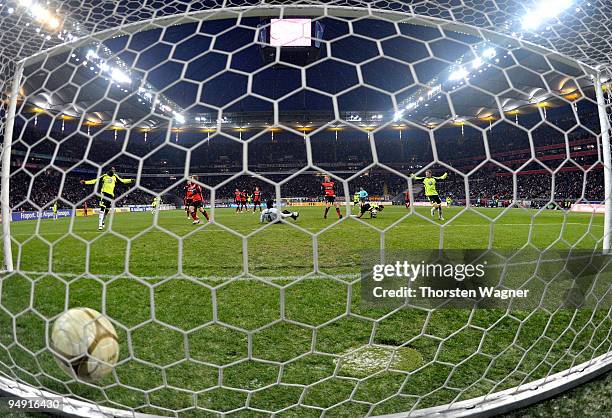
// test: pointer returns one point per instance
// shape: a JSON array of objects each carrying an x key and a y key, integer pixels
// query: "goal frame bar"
[
  {"x": 282, "y": 10},
  {"x": 484, "y": 406},
  {"x": 7, "y": 146},
  {"x": 604, "y": 121}
]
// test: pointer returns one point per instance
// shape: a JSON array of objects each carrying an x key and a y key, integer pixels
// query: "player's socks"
[
  {"x": 338, "y": 212},
  {"x": 206, "y": 216},
  {"x": 326, "y": 210},
  {"x": 194, "y": 215},
  {"x": 101, "y": 219}
]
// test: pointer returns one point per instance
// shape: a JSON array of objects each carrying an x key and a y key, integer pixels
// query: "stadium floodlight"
[
  {"x": 40, "y": 14},
  {"x": 477, "y": 63},
  {"x": 119, "y": 76},
  {"x": 179, "y": 118},
  {"x": 459, "y": 74},
  {"x": 52, "y": 22},
  {"x": 489, "y": 53},
  {"x": 545, "y": 10}
]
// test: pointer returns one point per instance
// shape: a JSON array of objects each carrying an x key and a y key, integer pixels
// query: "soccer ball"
[
  {"x": 374, "y": 213},
  {"x": 85, "y": 344}
]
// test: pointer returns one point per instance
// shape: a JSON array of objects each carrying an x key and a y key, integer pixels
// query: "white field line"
[
  {"x": 247, "y": 277},
  {"x": 400, "y": 226}
]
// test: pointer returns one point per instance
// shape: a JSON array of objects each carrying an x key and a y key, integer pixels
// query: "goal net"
[{"x": 222, "y": 183}]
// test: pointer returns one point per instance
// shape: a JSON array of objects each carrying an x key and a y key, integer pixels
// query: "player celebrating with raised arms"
[
  {"x": 431, "y": 192},
  {"x": 329, "y": 193},
  {"x": 109, "y": 181},
  {"x": 271, "y": 214}
]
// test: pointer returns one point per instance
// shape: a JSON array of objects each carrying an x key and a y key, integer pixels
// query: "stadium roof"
[{"x": 575, "y": 31}]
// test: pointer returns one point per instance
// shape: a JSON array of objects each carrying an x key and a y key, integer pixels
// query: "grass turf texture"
[{"x": 197, "y": 342}]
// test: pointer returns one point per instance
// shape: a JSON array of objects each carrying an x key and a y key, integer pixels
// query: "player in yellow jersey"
[
  {"x": 155, "y": 205},
  {"x": 55, "y": 211},
  {"x": 109, "y": 181},
  {"x": 431, "y": 192}
]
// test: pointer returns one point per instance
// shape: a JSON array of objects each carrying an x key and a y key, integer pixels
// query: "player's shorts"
[
  {"x": 256, "y": 201},
  {"x": 330, "y": 199},
  {"x": 434, "y": 199},
  {"x": 187, "y": 203},
  {"x": 106, "y": 200},
  {"x": 197, "y": 203}
]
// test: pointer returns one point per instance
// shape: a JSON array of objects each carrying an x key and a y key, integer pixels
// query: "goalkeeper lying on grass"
[{"x": 271, "y": 214}]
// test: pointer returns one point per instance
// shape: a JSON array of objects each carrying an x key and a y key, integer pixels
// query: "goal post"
[
  {"x": 9, "y": 124},
  {"x": 604, "y": 120},
  {"x": 259, "y": 320}
]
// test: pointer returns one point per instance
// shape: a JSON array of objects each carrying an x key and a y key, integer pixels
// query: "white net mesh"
[{"x": 237, "y": 316}]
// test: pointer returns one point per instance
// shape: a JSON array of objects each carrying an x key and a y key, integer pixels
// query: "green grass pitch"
[{"x": 267, "y": 342}]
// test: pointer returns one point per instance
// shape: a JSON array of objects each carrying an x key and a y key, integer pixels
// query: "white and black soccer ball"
[
  {"x": 374, "y": 213},
  {"x": 85, "y": 344}
]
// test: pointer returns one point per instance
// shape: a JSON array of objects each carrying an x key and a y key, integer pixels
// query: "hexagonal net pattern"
[{"x": 221, "y": 310}]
